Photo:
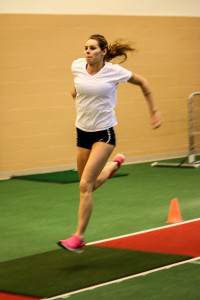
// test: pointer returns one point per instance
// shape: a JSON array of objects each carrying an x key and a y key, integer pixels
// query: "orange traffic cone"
[{"x": 174, "y": 215}]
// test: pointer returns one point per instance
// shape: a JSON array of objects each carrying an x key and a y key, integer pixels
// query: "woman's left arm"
[{"x": 156, "y": 120}]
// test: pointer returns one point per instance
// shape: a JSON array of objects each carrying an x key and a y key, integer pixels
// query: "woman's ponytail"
[{"x": 119, "y": 48}]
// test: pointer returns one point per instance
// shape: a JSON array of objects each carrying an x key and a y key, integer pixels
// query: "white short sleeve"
[
  {"x": 78, "y": 65},
  {"x": 121, "y": 74}
]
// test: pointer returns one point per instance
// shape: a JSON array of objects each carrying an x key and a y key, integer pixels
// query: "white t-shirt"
[{"x": 96, "y": 95}]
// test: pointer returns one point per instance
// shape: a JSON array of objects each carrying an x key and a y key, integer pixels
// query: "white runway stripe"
[{"x": 144, "y": 231}]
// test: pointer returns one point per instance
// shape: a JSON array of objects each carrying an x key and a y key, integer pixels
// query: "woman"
[{"x": 96, "y": 81}]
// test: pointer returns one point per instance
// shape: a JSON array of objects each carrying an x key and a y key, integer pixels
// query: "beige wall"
[
  {"x": 105, "y": 7},
  {"x": 37, "y": 113}
]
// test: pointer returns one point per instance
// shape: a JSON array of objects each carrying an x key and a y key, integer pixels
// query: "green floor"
[{"x": 35, "y": 215}]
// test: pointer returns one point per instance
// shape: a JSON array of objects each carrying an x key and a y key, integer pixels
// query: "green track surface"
[
  {"x": 35, "y": 274},
  {"x": 35, "y": 215}
]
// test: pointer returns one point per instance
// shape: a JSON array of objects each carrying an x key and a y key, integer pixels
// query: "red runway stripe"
[{"x": 183, "y": 239}]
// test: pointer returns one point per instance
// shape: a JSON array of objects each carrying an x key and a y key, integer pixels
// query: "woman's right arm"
[{"x": 73, "y": 92}]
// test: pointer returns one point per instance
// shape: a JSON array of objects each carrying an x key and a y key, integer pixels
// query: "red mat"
[
  {"x": 183, "y": 239},
  {"x": 8, "y": 296}
]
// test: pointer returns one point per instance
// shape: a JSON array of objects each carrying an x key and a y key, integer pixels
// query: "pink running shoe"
[
  {"x": 119, "y": 159},
  {"x": 74, "y": 244}
]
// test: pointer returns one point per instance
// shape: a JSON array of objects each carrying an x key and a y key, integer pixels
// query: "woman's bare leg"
[
  {"x": 104, "y": 175},
  {"x": 90, "y": 165}
]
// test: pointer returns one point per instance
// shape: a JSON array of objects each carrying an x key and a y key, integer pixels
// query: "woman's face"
[{"x": 93, "y": 53}]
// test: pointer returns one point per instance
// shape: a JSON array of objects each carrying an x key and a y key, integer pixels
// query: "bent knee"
[{"x": 86, "y": 186}]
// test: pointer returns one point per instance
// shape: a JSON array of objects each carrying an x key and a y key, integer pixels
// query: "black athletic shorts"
[{"x": 87, "y": 139}]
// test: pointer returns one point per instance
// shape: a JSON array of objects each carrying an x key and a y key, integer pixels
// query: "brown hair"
[{"x": 117, "y": 48}]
